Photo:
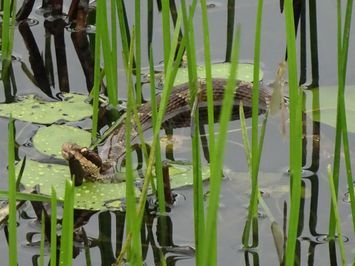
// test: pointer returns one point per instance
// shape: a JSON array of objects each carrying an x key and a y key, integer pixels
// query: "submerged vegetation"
[{"x": 147, "y": 188}]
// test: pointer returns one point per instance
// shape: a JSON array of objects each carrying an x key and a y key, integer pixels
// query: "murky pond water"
[{"x": 104, "y": 230}]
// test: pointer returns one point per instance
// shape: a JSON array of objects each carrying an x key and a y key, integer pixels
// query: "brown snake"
[{"x": 92, "y": 166}]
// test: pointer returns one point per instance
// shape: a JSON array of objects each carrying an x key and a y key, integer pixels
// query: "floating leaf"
[
  {"x": 88, "y": 196},
  {"x": 321, "y": 105},
  {"x": 219, "y": 70},
  {"x": 49, "y": 140},
  {"x": 94, "y": 195},
  {"x": 32, "y": 109},
  {"x": 181, "y": 174}
]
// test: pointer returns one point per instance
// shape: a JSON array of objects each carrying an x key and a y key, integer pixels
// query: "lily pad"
[
  {"x": 88, "y": 196},
  {"x": 321, "y": 105},
  {"x": 95, "y": 195},
  {"x": 49, "y": 140},
  {"x": 181, "y": 174},
  {"x": 32, "y": 109},
  {"x": 219, "y": 70}
]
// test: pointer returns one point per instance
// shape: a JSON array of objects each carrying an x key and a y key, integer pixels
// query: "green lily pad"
[
  {"x": 321, "y": 105},
  {"x": 88, "y": 196},
  {"x": 32, "y": 109},
  {"x": 181, "y": 174},
  {"x": 94, "y": 195},
  {"x": 49, "y": 140},
  {"x": 219, "y": 70}
]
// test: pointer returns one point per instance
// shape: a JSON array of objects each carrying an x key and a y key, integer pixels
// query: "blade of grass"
[
  {"x": 41, "y": 248},
  {"x": 255, "y": 153},
  {"x": 158, "y": 162},
  {"x": 102, "y": 27},
  {"x": 53, "y": 227},
  {"x": 114, "y": 44},
  {"x": 295, "y": 134},
  {"x": 199, "y": 223},
  {"x": 207, "y": 53},
  {"x": 97, "y": 81},
  {"x": 138, "y": 50},
  {"x": 166, "y": 30},
  {"x": 20, "y": 174},
  {"x": 24, "y": 196},
  {"x": 217, "y": 159},
  {"x": 66, "y": 247},
  {"x": 168, "y": 84},
  {"x": 135, "y": 252},
  {"x": 12, "y": 226},
  {"x": 336, "y": 214}
]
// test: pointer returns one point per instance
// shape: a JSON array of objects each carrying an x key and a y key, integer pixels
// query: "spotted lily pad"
[
  {"x": 95, "y": 195},
  {"x": 219, "y": 70},
  {"x": 88, "y": 196},
  {"x": 32, "y": 109},
  {"x": 49, "y": 140},
  {"x": 321, "y": 105}
]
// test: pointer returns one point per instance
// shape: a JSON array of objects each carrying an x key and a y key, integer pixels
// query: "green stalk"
[
  {"x": 97, "y": 81},
  {"x": 114, "y": 45},
  {"x": 122, "y": 24},
  {"x": 53, "y": 227},
  {"x": 334, "y": 201},
  {"x": 138, "y": 51},
  {"x": 41, "y": 247},
  {"x": 209, "y": 88},
  {"x": 25, "y": 196},
  {"x": 12, "y": 226},
  {"x": 66, "y": 247},
  {"x": 199, "y": 223},
  {"x": 135, "y": 254},
  {"x": 168, "y": 85},
  {"x": 253, "y": 210},
  {"x": 5, "y": 38},
  {"x": 341, "y": 126},
  {"x": 295, "y": 108},
  {"x": 166, "y": 30},
  {"x": 172, "y": 68},
  {"x": 107, "y": 52},
  {"x": 217, "y": 159},
  {"x": 158, "y": 162}
]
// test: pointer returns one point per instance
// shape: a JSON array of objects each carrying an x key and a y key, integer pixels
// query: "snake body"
[{"x": 113, "y": 149}]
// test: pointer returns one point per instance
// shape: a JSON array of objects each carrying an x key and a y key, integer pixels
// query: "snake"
[{"x": 88, "y": 165}]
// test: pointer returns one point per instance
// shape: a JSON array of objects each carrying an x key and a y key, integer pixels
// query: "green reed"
[
  {"x": 295, "y": 109},
  {"x": 209, "y": 88},
  {"x": 7, "y": 30},
  {"x": 158, "y": 162},
  {"x": 137, "y": 22},
  {"x": 97, "y": 81},
  {"x": 255, "y": 152},
  {"x": 66, "y": 247},
  {"x": 107, "y": 51},
  {"x": 43, "y": 239},
  {"x": 134, "y": 254},
  {"x": 53, "y": 227},
  {"x": 166, "y": 29},
  {"x": 198, "y": 191},
  {"x": 12, "y": 195},
  {"x": 210, "y": 235},
  {"x": 194, "y": 86},
  {"x": 172, "y": 67},
  {"x": 337, "y": 221},
  {"x": 341, "y": 124}
]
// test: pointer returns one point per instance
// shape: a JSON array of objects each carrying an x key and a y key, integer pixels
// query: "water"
[{"x": 102, "y": 231}]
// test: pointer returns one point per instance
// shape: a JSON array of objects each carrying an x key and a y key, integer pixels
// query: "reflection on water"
[{"x": 55, "y": 59}]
